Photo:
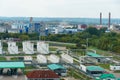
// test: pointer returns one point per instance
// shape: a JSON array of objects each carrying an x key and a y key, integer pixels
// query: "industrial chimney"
[
  {"x": 100, "y": 18},
  {"x": 109, "y": 22}
]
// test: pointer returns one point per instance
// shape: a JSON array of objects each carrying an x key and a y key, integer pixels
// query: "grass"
[
  {"x": 2, "y": 58},
  {"x": 14, "y": 59},
  {"x": 105, "y": 66},
  {"x": 52, "y": 49},
  {"x": 76, "y": 75}
]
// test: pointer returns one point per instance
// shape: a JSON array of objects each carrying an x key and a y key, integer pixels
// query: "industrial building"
[
  {"x": 28, "y": 47},
  {"x": 41, "y": 59},
  {"x": 42, "y": 47},
  {"x": 58, "y": 69},
  {"x": 91, "y": 56},
  {"x": 53, "y": 58},
  {"x": 42, "y": 75},
  {"x": 94, "y": 71},
  {"x": 12, "y": 48}
]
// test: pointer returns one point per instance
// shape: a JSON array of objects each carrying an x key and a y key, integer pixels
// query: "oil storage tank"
[
  {"x": 12, "y": 48},
  {"x": 53, "y": 58},
  {"x": 42, "y": 47},
  {"x": 41, "y": 59},
  {"x": 67, "y": 58},
  {"x": 28, "y": 47}
]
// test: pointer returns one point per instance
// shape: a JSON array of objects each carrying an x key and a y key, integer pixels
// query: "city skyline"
[{"x": 59, "y": 8}]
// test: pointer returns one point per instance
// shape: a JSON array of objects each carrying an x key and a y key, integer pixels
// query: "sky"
[{"x": 59, "y": 8}]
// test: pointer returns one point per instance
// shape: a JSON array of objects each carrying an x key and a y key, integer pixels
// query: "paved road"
[{"x": 20, "y": 77}]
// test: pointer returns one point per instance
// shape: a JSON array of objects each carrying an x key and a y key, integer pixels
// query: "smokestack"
[
  {"x": 100, "y": 18},
  {"x": 109, "y": 22}
]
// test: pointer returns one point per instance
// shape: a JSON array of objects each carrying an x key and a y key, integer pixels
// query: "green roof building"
[
  {"x": 12, "y": 65},
  {"x": 95, "y": 68},
  {"x": 57, "y": 68},
  {"x": 95, "y": 71},
  {"x": 106, "y": 77},
  {"x": 93, "y": 54}
]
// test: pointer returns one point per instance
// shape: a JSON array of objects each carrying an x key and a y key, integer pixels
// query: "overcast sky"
[{"x": 59, "y": 8}]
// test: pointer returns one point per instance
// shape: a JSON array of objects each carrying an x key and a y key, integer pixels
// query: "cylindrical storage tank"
[
  {"x": 41, "y": 59},
  {"x": 12, "y": 48},
  {"x": 42, "y": 47},
  {"x": 67, "y": 58},
  {"x": 28, "y": 47},
  {"x": 53, "y": 58},
  {"x": 0, "y": 47}
]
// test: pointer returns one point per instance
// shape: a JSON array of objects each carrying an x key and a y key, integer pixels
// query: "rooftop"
[
  {"x": 95, "y": 68},
  {"x": 42, "y": 74},
  {"x": 12, "y": 65},
  {"x": 103, "y": 76},
  {"x": 55, "y": 66},
  {"x": 93, "y": 54}
]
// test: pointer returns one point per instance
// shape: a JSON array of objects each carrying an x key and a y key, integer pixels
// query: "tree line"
[{"x": 93, "y": 37}]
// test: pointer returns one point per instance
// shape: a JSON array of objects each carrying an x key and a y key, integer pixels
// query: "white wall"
[{"x": 114, "y": 67}]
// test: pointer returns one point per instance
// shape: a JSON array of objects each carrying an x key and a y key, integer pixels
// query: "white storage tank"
[
  {"x": 12, "y": 48},
  {"x": 41, "y": 59},
  {"x": 28, "y": 47},
  {"x": 1, "y": 47},
  {"x": 53, "y": 58},
  {"x": 42, "y": 47},
  {"x": 67, "y": 58}
]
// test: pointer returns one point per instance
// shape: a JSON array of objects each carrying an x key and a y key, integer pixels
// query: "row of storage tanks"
[
  {"x": 28, "y": 47},
  {"x": 51, "y": 58}
]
